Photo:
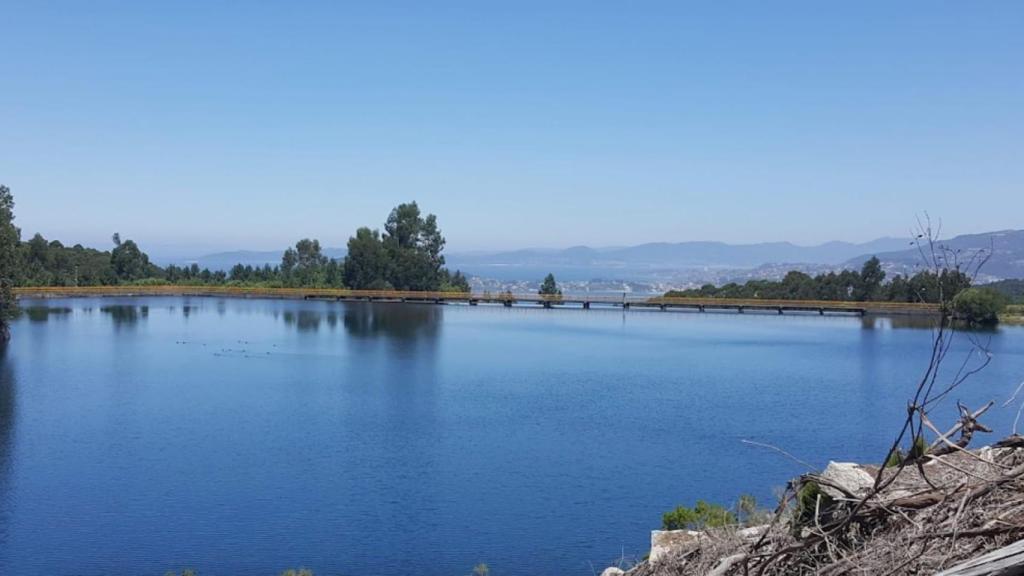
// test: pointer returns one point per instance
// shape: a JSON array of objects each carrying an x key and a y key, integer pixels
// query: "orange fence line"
[{"x": 465, "y": 297}]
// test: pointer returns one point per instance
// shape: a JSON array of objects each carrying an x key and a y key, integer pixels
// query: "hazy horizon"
[
  {"x": 219, "y": 128},
  {"x": 177, "y": 252}
]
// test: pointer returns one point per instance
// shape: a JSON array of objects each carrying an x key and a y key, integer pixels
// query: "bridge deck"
[{"x": 507, "y": 299}]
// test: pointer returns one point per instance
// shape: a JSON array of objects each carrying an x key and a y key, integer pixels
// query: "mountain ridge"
[{"x": 642, "y": 260}]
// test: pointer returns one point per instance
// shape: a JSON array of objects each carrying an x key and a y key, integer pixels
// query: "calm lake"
[{"x": 249, "y": 436}]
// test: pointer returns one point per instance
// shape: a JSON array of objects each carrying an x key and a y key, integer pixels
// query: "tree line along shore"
[{"x": 408, "y": 255}]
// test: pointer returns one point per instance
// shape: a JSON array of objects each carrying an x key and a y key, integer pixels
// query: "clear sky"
[{"x": 200, "y": 126}]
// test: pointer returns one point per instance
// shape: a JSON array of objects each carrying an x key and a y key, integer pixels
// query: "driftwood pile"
[{"x": 947, "y": 510}]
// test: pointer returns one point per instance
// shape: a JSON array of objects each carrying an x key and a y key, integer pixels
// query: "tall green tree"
[
  {"x": 10, "y": 238},
  {"x": 289, "y": 260},
  {"x": 128, "y": 261},
  {"x": 366, "y": 265},
  {"x": 306, "y": 263},
  {"x": 413, "y": 245},
  {"x": 549, "y": 287},
  {"x": 871, "y": 278}
]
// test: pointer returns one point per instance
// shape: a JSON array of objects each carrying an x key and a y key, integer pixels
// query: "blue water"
[{"x": 249, "y": 436}]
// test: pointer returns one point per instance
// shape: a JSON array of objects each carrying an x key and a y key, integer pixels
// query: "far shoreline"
[{"x": 568, "y": 301}]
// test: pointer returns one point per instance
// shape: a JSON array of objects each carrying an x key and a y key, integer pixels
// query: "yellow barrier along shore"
[{"x": 584, "y": 300}]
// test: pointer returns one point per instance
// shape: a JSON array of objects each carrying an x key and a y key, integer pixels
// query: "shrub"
[
  {"x": 807, "y": 502},
  {"x": 895, "y": 458},
  {"x": 748, "y": 513},
  {"x": 703, "y": 515},
  {"x": 978, "y": 306},
  {"x": 919, "y": 448},
  {"x": 149, "y": 282}
]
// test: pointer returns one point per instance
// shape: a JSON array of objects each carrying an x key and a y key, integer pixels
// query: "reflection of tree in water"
[
  {"x": 399, "y": 321},
  {"x": 7, "y": 399},
  {"x": 366, "y": 320},
  {"x": 126, "y": 315},
  {"x": 43, "y": 313},
  {"x": 309, "y": 320},
  {"x": 914, "y": 322}
]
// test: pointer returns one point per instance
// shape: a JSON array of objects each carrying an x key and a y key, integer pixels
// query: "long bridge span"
[{"x": 579, "y": 300}]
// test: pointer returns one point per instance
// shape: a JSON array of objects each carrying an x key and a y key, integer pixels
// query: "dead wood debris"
[{"x": 922, "y": 517}]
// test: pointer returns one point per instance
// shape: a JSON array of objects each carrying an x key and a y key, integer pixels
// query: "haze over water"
[{"x": 143, "y": 435}]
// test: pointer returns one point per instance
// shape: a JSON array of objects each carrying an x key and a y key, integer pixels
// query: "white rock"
[
  {"x": 753, "y": 533},
  {"x": 848, "y": 475},
  {"x": 612, "y": 571},
  {"x": 665, "y": 542}
]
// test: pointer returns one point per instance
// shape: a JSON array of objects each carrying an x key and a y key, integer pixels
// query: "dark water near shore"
[{"x": 249, "y": 436}]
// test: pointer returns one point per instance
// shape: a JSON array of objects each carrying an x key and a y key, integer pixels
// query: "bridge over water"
[{"x": 579, "y": 300}]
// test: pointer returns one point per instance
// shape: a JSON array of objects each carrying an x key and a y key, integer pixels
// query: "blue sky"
[{"x": 203, "y": 126}]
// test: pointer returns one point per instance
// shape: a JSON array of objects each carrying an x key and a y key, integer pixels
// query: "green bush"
[
  {"x": 978, "y": 306},
  {"x": 809, "y": 500},
  {"x": 703, "y": 515},
  {"x": 895, "y": 458},
  {"x": 148, "y": 282}
]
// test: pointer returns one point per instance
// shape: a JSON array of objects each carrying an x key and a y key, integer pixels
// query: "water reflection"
[
  {"x": 124, "y": 315},
  {"x": 369, "y": 320},
  {"x": 310, "y": 320},
  {"x": 872, "y": 322},
  {"x": 43, "y": 313},
  {"x": 399, "y": 321},
  {"x": 7, "y": 398},
  {"x": 897, "y": 322}
]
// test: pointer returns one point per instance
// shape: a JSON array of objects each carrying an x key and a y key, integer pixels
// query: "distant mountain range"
[
  {"x": 667, "y": 256},
  {"x": 1006, "y": 249},
  {"x": 664, "y": 260}
]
